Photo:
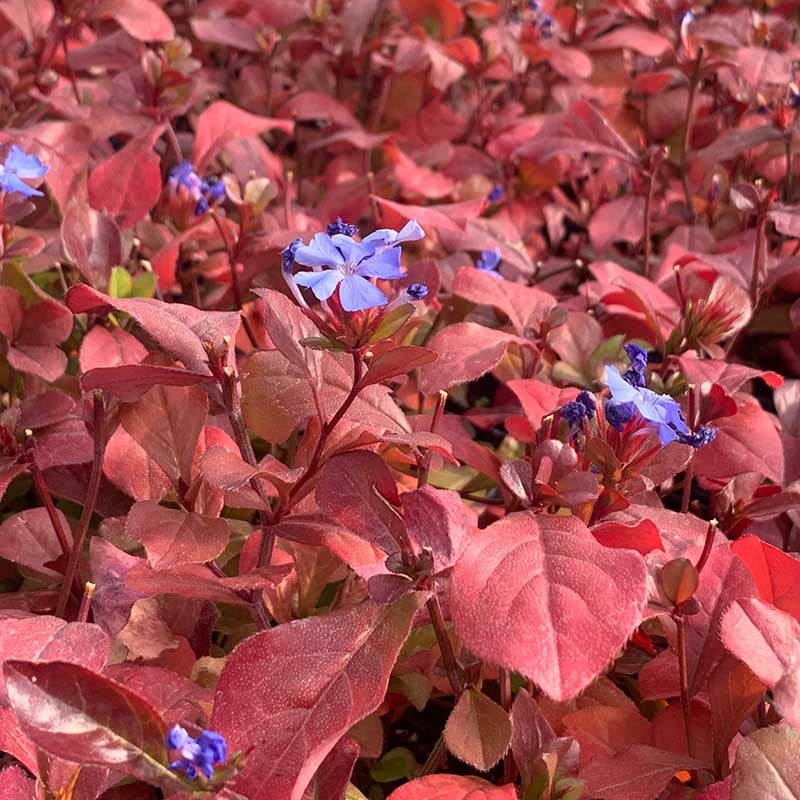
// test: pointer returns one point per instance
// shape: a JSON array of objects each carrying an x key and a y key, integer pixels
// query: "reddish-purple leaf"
[
  {"x": 466, "y": 351},
  {"x": 221, "y": 122},
  {"x": 539, "y": 595},
  {"x": 292, "y": 692},
  {"x": 76, "y": 714},
  {"x": 767, "y": 765},
  {"x": 92, "y": 241},
  {"x": 16, "y": 785},
  {"x": 452, "y": 787},
  {"x": 128, "y": 184},
  {"x": 620, "y": 220},
  {"x": 104, "y": 348},
  {"x": 397, "y": 361},
  {"x": 28, "y": 538},
  {"x": 531, "y": 733},
  {"x": 639, "y": 772},
  {"x": 478, "y": 731},
  {"x": 48, "y": 638},
  {"x": 143, "y": 19},
  {"x": 173, "y": 536},
  {"x": 130, "y": 381},
  {"x": 333, "y": 776},
  {"x": 768, "y": 641}
]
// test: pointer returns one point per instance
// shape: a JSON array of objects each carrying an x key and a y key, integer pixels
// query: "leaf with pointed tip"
[
  {"x": 290, "y": 693},
  {"x": 531, "y": 733},
  {"x": 767, "y": 765},
  {"x": 76, "y": 714},
  {"x": 395, "y": 362},
  {"x": 130, "y": 381},
  {"x": 537, "y": 594},
  {"x": 172, "y": 536},
  {"x": 452, "y": 787},
  {"x": 768, "y": 641},
  {"x": 478, "y": 731}
]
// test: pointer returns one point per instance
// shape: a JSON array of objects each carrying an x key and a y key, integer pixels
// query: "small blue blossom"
[
  {"x": 545, "y": 25},
  {"x": 198, "y": 754},
  {"x": 634, "y": 375},
  {"x": 288, "y": 253},
  {"x": 340, "y": 226},
  {"x": 417, "y": 291},
  {"x": 17, "y": 167},
  {"x": 204, "y": 191},
  {"x": 577, "y": 410},
  {"x": 658, "y": 409},
  {"x": 619, "y": 414},
  {"x": 704, "y": 435},
  {"x": 340, "y": 261},
  {"x": 489, "y": 261},
  {"x": 496, "y": 195}
]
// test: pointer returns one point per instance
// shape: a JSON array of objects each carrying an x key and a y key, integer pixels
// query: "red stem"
[
  {"x": 438, "y": 412},
  {"x": 52, "y": 513},
  {"x": 99, "y": 418},
  {"x": 684, "y": 675}
]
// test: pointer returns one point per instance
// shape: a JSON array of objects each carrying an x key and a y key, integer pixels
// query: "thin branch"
[
  {"x": 52, "y": 512},
  {"x": 99, "y": 434},
  {"x": 685, "y": 140}
]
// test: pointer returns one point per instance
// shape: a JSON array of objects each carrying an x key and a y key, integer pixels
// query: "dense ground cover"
[{"x": 400, "y": 399}]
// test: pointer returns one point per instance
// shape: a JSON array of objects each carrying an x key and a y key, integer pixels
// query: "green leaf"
[
  {"x": 397, "y": 764},
  {"x": 120, "y": 282},
  {"x": 143, "y": 285},
  {"x": 392, "y": 323}
]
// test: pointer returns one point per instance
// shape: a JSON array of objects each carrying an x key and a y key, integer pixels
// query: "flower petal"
[
  {"x": 320, "y": 252},
  {"x": 323, "y": 284},
  {"x": 11, "y": 183},
  {"x": 354, "y": 252},
  {"x": 384, "y": 264},
  {"x": 24, "y": 165},
  {"x": 358, "y": 294},
  {"x": 621, "y": 390}
]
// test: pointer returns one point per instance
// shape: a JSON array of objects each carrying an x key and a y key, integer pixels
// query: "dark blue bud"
[
  {"x": 287, "y": 255},
  {"x": 619, "y": 413},
  {"x": 417, "y": 291},
  {"x": 340, "y": 226}
]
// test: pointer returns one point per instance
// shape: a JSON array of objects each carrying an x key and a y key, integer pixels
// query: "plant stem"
[
  {"x": 505, "y": 701},
  {"x": 86, "y": 602},
  {"x": 685, "y": 140},
  {"x": 708, "y": 545},
  {"x": 438, "y": 412},
  {"x": 787, "y": 186},
  {"x": 680, "y": 624},
  {"x": 52, "y": 512},
  {"x": 445, "y": 645},
  {"x": 432, "y": 762},
  {"x": 758, "y": 255},
  {"x": 99, "y": 419}
]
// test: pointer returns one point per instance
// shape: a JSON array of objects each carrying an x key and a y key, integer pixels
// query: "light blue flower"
[
  {"x": 658, "y": 409},
  {"x": 489, "y": 261},
  {"x": 340, "y": 261},
  {"x": 18, "y": 166}
]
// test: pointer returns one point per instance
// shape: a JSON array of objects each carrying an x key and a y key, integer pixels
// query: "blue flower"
[
  {"x": 574, "y": 412},
  {"x": 204, "y": 191},
  {"x": 489, "y": 261},
  {"x": 658, "y": 409},
  {"x": 545, "y": 25},
  {"x": 417, "y": 291},
  {"x": 198, "y": 754},
  {"x": 634, "y": 375},
  {"x": 704, "y": 435},
  {"x": 496, "y": 195},
  {"x": 340, "y": 261},
  {"x": 288, "y": 253},
  {"x": 619, "y": 414},
  {"x": 340, "y": 226},
  {"x": 17, "y": 166}
]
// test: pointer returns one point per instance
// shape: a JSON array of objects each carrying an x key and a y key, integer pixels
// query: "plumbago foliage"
[{"x": 400, "y": 399}]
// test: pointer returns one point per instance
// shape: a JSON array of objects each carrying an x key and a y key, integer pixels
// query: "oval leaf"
[{"x": 478, "y": 731}]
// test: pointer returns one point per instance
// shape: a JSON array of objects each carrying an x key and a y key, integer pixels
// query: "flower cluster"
[
  {"x": 543, "y": 22},
  {"x": 577, "y": 410},
  {"x": 196, "y": 754},
  {"x": 630, "y": 399},
  {"x": 340, "y": 262},
  {"x": 18, "y": 167},
  {"x": 204, "y": 191}
]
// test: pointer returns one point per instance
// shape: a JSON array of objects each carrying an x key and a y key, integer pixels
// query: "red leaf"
[
  {"x": 142, "y": 19},
  {"x": 561, "y": 604},
  {"x": 292, "y": 717},
  {"x": 228, "y": 31},
  {"x": 166, "y": 422},
  {"x": 777, "y": 574},
  {"x": 531, "y": 733},
  {"x": 76, "y": 714},
  {"x": 333, "y": 775},
  {"x": 466, "y": 351},
  {"x": 746, "y": 442},
  {"x": 452, "y": 787},
  {"x": 763, "y": 65},
  {"x": 173, "y": 536},
  {"x": 102, "y": 347},
  {"x": 768, "y": 641},
  {"x": 478, "y": 731},
  {"x": 579, "y": 129},
  {"x": 128, "y": 184},
  {"x": 642, "y": 537},
  {"x": 48, "y": 638},
  {"x": 397, "y": 361},
  {"x": 522, "y": 305},
  {"x": 16, "y": 785},
  {"x": 222, "y": 122},
  {"x": 129, "y": 382},
  {"x": 92, "y": 240},
  {"x": 447, "y": 216},
  {"x": 632, "y": 37},
  {"x": 31, "y": 17},
  {"x": 28, "y": 538},
  {"x": 178, "y": 328},
  {"x": 767, "y": 765},
  {"x": 637, "y": 773},
  {"x": 620, "y": 220}
]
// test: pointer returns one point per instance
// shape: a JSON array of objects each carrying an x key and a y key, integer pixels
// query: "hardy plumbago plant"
[{"x": 399, "y": 400}]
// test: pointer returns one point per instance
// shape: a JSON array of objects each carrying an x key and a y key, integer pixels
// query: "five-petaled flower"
[
  {"x": 196, "y": 754},
  {"x": 340, "y": 261},
  {"x": 18, "y": 167}
]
